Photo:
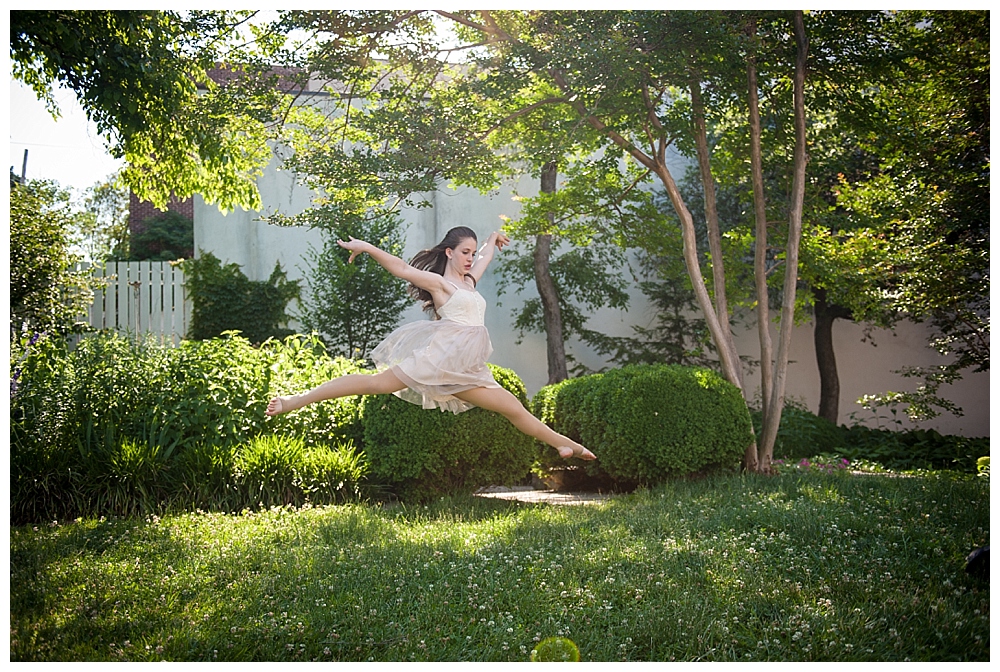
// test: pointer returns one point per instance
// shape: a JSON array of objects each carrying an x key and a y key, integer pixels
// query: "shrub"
[
  {"x": 422, "y": 454},
  {"x": 81, "y": 419},
  {"x": 914, "y": 449},
  {"x": 647, "y": 423},
  {"x": 125, "y": 478},
  {"x": 163, "y": 237},
  {"x": 224, "y": 299},
  {"x": 278, "y": 470},
  {"x": 802, "y": 433},
  {"x": 201, "y": 477},
  {"x": 299, "y": 363},
  {"x": 44, "y": 293}
]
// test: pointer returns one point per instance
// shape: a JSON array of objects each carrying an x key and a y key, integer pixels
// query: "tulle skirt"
[{"x": 436, "y": 360}]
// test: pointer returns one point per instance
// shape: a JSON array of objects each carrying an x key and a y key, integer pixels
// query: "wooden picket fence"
[{"x": 141, "y": 297}]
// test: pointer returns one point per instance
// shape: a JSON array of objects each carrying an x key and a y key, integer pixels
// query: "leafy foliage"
[
  {"x": 911, "y": 236},
  {"x": 45, "y": 293},
  {"x": 102, "y": 427},
  {"x": 137, "y": 74},
  {"x": 914, "y": 449},
  {"x": 648, "y": 423},
  {"x": 353, "y": 306},
  {"x": 102, "y": 232},
  {"x": 163, "y": 237},
  {"x": 424, "y": 454},
  {"x": 224, "y": 299},
  {"x": 278, "y": 470},
  {"x": 802, "y": 433}
]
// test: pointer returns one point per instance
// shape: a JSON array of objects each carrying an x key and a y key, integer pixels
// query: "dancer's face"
[{"x": 463, "y": 255}]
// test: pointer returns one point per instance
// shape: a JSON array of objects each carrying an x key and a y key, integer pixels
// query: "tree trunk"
[
  {"x": 718, "y": 327},
  {"x": 829, "y": 382},
  {"x": 750, "y": 461},
  {"x": 555, "y": 344},
  {"x": 777, "y": 398},
  {"x": 711, "y": 210}
]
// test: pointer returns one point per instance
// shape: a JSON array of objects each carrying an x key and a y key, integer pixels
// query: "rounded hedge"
[
  {"x": 422, "y": 454},
  {"x": 647, "y": 423}
]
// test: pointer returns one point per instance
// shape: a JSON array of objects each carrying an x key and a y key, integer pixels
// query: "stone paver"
[{"x": 533, "y": 495}]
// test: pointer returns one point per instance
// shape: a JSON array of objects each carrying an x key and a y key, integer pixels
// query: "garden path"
[{"x": 530, "y": 494}]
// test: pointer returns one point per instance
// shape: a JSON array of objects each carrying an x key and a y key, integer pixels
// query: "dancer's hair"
[{"x": 435, "y": 260}]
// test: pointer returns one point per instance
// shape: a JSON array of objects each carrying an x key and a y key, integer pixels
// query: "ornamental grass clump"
[
  {"x": 421, "y": 454},
  {"x": 647, "y": 423}
]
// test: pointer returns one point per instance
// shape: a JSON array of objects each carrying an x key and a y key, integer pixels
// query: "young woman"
[{"x": 440, "y": 363}]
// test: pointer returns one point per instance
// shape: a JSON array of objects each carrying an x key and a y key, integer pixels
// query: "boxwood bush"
[
  {"x": 647, "y": 423},
  {"x": 421, "y": 454}
]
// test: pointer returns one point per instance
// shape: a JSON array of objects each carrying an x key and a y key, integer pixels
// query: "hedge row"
[
  {"x": 83, "y": 420},
  {"x": 115, "y": 419}
]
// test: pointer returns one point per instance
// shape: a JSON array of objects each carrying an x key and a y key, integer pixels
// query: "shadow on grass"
[{"x": 786, "y": 568}]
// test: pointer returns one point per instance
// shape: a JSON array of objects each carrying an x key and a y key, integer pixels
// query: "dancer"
[{"x": 440, "y": 363}]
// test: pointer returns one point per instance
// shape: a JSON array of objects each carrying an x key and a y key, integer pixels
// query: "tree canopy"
[{"x": 142, "y": 77}]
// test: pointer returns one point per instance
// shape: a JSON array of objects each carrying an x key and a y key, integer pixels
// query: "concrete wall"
[{"x": 865, "y": 367}]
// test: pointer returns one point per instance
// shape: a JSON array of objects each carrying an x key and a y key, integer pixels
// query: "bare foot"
[
  {"x": 276, "y": 407},
  {"x": 567, "y": 452}
]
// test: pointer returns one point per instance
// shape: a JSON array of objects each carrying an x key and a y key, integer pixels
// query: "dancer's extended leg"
[
  {"x": 345, "y": 386},
  {"x": 506, "y": 404}
]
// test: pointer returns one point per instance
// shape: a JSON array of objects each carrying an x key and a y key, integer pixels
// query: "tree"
[
  {"x": 919, "y": 215},
  {"x": 392, "y": 136},
  {"x": 635, "y": 107},
  {"x": 638, "y": 82},
  {"x": 46, "y": 295},
  {"x": 353, "y": 306},
  {"x": 166, "y": 236},
  {"x": 138, "y": 75},
  {"x": 103, "y": 230}
]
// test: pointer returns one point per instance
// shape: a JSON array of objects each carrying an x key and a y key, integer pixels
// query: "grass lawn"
[{"x": 804, "y": 566}]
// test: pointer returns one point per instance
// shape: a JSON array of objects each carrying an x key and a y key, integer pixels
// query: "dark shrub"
[
  {"x": 224, "y": 299},
  {"x": 647, "y": 423},
  {"x": 802, "y": 433},
  {"x": 422, "y": 454},
  {"x": 914, "y": 449},
  {"x": 163, "y": 237}
]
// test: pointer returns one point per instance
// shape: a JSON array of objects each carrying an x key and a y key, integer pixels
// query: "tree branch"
[{"x": 523, "y": 111}]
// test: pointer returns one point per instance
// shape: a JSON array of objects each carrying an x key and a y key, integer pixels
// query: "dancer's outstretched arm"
[
  {"x": 432, "y": 282},
  {"x": 497, "y": 239}
]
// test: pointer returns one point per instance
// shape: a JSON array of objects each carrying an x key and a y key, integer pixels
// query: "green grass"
[{"x": 800, "y": 566}]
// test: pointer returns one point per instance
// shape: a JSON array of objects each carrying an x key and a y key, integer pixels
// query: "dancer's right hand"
[{"x": 354, "y": 245}]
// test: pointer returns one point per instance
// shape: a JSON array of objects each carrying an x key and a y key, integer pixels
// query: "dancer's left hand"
[{"x": 502, "y": 240}]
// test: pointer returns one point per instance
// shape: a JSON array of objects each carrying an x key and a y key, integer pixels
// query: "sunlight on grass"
[{"x": 796, "y": 567}]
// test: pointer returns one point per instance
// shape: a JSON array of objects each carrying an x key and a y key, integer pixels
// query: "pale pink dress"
[{"x": 438, "y": 358}]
